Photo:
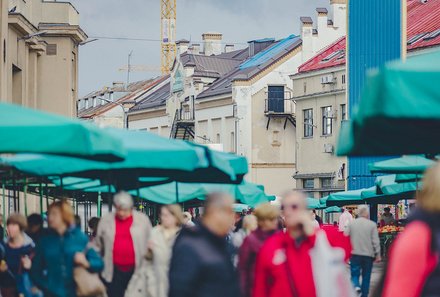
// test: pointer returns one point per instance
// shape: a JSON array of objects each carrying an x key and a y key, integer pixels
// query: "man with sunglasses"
[{"x": 284, "y": 265}]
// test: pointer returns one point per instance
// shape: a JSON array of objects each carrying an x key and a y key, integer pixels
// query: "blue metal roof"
[{"x": 270, "y": 52}]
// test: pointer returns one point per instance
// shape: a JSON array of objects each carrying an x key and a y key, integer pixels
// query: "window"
[
  {"x": 218, "y": 138},
  {"x": 308, "y": 183},
  {"x": 343, "y": 79},
  {"x": 327, "y": 120},
  {"x": 232, "y": 150},
  {"x": 308, "y": 122},
  {"x": 343, "y": 112},
  {"x": 326, "y": 182},
  {"x": 325, "y": 194},
  {"x": 276, "y": 98},
  {"x": 51, "y": 49}
]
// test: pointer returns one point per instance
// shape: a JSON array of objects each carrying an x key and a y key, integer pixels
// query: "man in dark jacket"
[{"x": 201, "y": 264}]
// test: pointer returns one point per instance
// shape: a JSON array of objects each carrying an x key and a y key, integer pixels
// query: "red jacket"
[
  {"x": 410, "y": 263},
  {"x": 271, "y": 278}
]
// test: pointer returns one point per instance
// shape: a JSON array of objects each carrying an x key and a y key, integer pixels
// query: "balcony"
[{"x": 276, "y": 107}]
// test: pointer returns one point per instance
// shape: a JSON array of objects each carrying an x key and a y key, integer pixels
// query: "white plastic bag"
[{"x": 330, "y": 272}]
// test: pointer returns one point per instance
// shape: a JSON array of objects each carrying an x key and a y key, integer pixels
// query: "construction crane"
[{"x": 168, "y": 34}]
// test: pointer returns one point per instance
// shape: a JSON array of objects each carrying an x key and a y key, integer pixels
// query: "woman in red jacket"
[
  {"x": 413, "y": 267},
  {"x": 267, "y": 217}
]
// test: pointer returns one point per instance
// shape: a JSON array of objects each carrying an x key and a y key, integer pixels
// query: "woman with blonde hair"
[
  {"x": 160, "y": 247},
  {"x": 267, "y": 218},
  {"x": 418, "y": 247},
  {"x": 59, "y": 251}
]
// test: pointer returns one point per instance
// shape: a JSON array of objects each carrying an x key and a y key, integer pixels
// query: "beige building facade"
[{"x": 39, "y": 49}]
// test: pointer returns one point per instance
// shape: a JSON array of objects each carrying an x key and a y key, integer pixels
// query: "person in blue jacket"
[{"x": 59, "y": 251}]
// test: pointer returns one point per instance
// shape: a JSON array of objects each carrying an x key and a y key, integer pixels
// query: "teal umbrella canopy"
[
  {"x": 148, "y": 155},
  {"x": 399, "y": 111},
  {"x": 387, "y": 185},
  {"x": 25, "y": 130},
  {"x": 313, "y": 203},
  {"x": 346, "y": 198},
  {"x": 333, "y": 209},
  {"x": 404, "y": 165}
]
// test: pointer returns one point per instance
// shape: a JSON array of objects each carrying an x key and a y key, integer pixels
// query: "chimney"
[
  {"x": 322, "y": 20},
  {"x": 256, "y": 46},
  {"x": 229, "y": 48},
  {"x": 306, "y": 36},
  {"x": 212, "y": 43},
  {"x": 182, "y": 46},
  {"x": 195, "y": 48},
  {"x": 338, "y": 10}
]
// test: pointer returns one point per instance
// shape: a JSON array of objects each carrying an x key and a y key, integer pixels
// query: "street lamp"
[
  {"x": 126, "y": 105},
  {"x": 29, "y": 36}
]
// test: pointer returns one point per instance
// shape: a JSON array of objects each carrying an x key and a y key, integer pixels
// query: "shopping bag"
[{"x": 330, "y": 272}]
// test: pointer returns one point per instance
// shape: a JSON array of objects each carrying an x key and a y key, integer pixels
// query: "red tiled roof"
[{"x": 423, "y": 19}]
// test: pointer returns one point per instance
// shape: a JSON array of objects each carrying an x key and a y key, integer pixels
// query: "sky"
[{"x": 238, "y": 20}]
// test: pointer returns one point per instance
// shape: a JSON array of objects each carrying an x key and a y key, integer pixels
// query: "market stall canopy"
[
  {"x": 405, "y": 164},
  {"x": 313, "y": 203},
  {"x": 387, "y": 185},
  {"x": 147, "y": 155},
  {"x": 399, "y": 111},
  {"x": 332, "y": 209},
  {"x": 25, "y": 130},
  {"x": 347, "y": 197}
]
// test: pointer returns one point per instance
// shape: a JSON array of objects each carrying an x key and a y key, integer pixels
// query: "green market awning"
[
  {"x": 147, "y": 155},
  {"x": 405, "y": 164},
  {"x": 387, "y": 185},
  {"x": 313, "y": 203},
  {"x": 399, "y": 111},
  {"x": 333, "y": 209},
  {"x": 346, "y": 198},
  {"x": 25, "y": 130}
]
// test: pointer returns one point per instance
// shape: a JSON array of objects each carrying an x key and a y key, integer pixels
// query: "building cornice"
[
  {"x": 65, "y": 30},
  {"x": 214, "y": 103},
  {"x": 268, "y": 69},
  {"x": 21, "y": 24},
  {"x": 320, "y": 94},
  {"x": 317, "y": 72}
]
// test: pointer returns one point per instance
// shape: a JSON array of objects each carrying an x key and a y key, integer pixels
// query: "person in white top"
[{"x": 344, "y": 220}]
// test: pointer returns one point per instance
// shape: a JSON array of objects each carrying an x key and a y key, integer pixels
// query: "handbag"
[
  {"x": 330, "y": 273},
  {"x": 88, "y": 284}
]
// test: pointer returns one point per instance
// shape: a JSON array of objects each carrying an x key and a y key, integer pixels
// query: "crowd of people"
[{"x": 273, "y": 251}]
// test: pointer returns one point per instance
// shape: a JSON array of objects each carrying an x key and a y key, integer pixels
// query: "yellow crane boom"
[{"x": 168, "y": 34}]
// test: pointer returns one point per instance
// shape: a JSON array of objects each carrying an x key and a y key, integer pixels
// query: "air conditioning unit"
[
  {"x": 328, "y": 79},
  {"x": 328, "y": 148}
]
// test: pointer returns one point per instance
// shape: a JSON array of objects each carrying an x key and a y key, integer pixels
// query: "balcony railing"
[{"x": 279, "y": 106}]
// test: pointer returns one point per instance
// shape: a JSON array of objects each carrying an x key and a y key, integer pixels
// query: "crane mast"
[{"x": 168, "y": 34}]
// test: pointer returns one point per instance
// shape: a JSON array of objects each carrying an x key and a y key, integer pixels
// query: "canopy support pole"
[
  {"x": 99, "y": 205},
  {"x": 47, "y": 197},
  {"x": 40, "y": 191},
  {"x": 177, "y": 192},
  {"x": 25, "y": 188}
]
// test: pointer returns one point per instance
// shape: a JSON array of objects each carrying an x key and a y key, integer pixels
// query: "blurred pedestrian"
[
  {"x": 365, "y": 244},
  {"x": 267, "y": 218},
  {"x": 2, "y": 229},
  {"x": 93, "y": 226},
  {"x": 344, "y": 220},
  {"x": 387, "y": 217},
  {"x": 249, "y": 225},
  {"x": 77, "y": 222},
  {"x": 201, "y": 264},
  {"x": 35, "y": 228},
  {"x": 413, "y": 265},
  {"x": 59, "y": 251},
  {"x": 188, "y": 219},
  {"x": 18, "y": 251},
  {"x": 317, "y": 218},
  {"x": 122, "y": 241},
  {"x": 160, "y": 247},
  {"x": 288, "y": 262}
]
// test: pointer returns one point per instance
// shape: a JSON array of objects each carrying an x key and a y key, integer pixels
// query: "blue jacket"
[
  {"x": 52, "y": 266},
  {"x": 201, "y": 265}
]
